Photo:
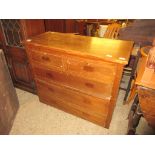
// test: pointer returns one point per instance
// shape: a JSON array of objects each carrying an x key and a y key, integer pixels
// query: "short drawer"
[
  {"x": 82, "y": 102},
  {"x": 92, "y": 69},
  {"x": 150, "y": 119},
  {"x": 147, "y": 100},
  {"x": 94, "y": 88},
  {"x": 47, "y": 59}
]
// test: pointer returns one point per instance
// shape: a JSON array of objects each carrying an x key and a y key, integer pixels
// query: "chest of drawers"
[{"x": 78, "y": 74}]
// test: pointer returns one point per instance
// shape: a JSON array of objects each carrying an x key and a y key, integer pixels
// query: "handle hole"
[
  {"x": 45, "y": 58},
  {"x": 49, "y": 75},
  {"x": 90, "y": 85},
  {"x": 88, "y": 68}
]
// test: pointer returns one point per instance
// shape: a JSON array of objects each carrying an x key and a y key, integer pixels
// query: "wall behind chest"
[
  {"x": 65, "y": 25},
  {"x": 141, "y": 31}
]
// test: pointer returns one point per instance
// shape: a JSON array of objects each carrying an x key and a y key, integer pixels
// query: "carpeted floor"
[{"x": 35, "y": 118}]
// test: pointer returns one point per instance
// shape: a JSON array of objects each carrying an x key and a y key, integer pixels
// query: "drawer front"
[
  {"x": 147, "y": 101},
  {"x": 150, "y": 119},
  {"x": 51, "y": 60},
  {"x": 94, "y": 88},
  {"x": 91, "y": 69},
  {"x": 69, "y": 108},
  {"x": 85, "y": 103}
]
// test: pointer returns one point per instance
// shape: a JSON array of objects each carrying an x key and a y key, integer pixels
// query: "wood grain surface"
[
  {"x": 146, "y": 91},
  {"x": 107, "y": 49},
  {"x": 79, "y": 74}
]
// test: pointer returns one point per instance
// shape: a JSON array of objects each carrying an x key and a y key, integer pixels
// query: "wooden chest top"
[{"x": 107, "y": 49}]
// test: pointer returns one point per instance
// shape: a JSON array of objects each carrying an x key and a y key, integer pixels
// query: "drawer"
[
  {"x": 92, "y": 69},
  {"x": 85, "y": 103},
  {"x": 150, "y": 119},
  {"x": 147, "y": 100},
  {"x": 47, "y": 59},
  {"x": 94, "y": 88},
  {"x": 69, "y": 108}
]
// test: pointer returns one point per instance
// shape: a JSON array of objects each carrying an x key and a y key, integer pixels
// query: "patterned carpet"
[{"x": 36, "y": 118}]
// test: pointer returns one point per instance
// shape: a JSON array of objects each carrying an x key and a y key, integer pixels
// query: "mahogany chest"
[
  {"x": 146, "y": 91},
  {"x": 78, "y": 74}
]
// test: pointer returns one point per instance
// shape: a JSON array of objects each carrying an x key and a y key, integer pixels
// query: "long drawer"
[
  {"x": 94, "y": 88},
  {"x": 67, "y": 107},
  {"x": 85, "y": 103},
  {"x": 92, "y": 69}
]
